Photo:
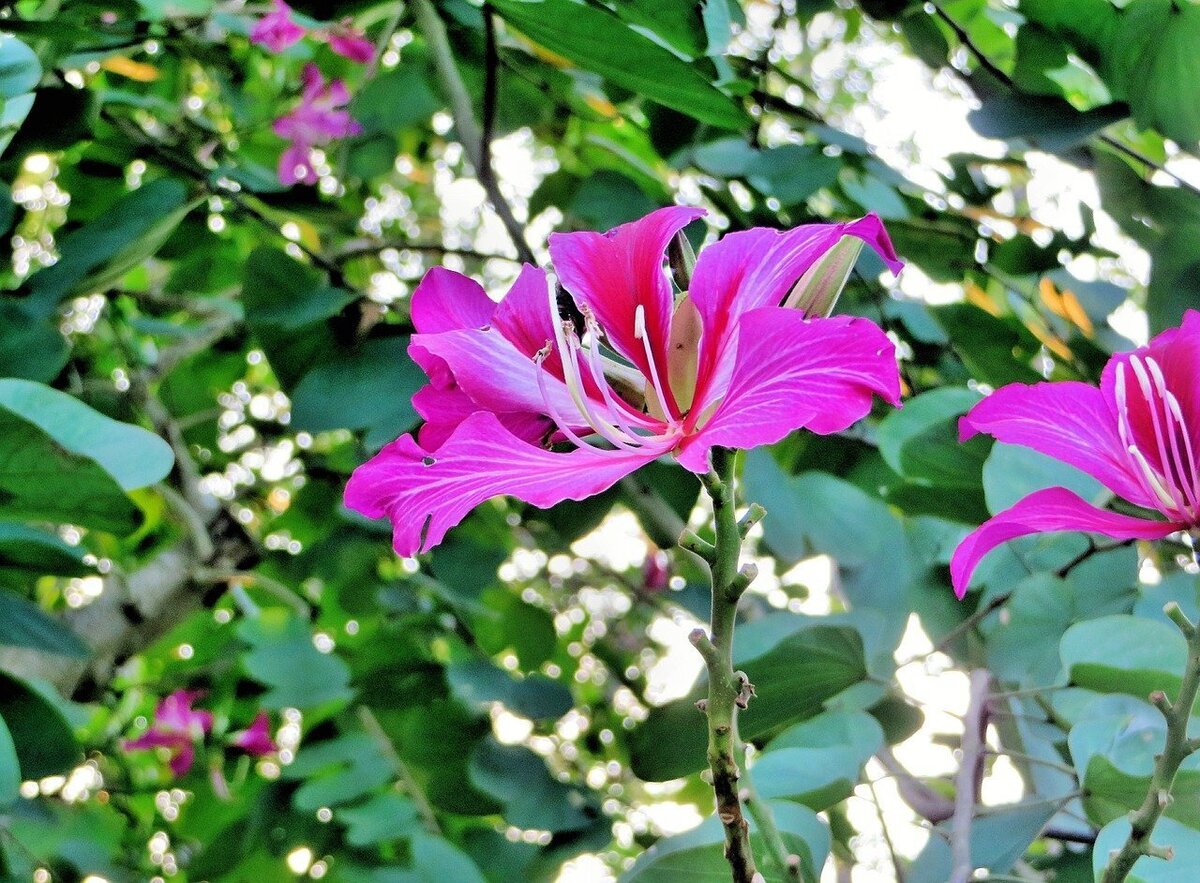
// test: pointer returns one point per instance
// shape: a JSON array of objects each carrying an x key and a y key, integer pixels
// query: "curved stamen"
[
  {"x": 563, "y": 425},
  {"x": 639, "y": 333},
  {"x": 1152, "y": 393},
  {"x": 619, "y": 409},
  {"x": 1148, "y": 477},
  {"x": 1184, "y": 459}
]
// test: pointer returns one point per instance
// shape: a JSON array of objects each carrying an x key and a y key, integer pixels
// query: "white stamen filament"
[
  {"x": 1152, "y": 395},
  {"x": 619, "y": 409},
  {"x": 639, "y": 333}
]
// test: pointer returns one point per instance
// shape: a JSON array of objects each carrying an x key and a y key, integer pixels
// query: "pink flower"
[
  {"x": 656, "y": 571},
  {"x": 256, "y": 739},
  {"x": 349, "y": 42},
  {"x": 276, "y": 30},
  {"x": 178, "y": 727},
  {"x": 317, "y": 121},
  {"x": 725, "y": 366},
  {"x": 1138, "y": 434}
]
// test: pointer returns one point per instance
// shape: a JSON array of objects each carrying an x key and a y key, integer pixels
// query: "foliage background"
[{"x": 518, "y": 705}]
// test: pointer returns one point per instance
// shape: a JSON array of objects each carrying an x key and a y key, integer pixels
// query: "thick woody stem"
[
  {"x": 1177, "y": 749},
  {"x": 728, "y": 690}
]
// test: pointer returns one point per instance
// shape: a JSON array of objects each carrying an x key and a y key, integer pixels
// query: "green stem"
[
  {"x": 728, "y": 690},
  {"x": 787, "y": 863},
  {"x": 1177, "y": 749}
]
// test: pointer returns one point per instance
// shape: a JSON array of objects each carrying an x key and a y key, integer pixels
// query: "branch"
[
  {"x": 970, "y": 776},
  {"x": 1177, "y": 749},
  {"x": 728, "y": 690},
  {"x": 462, "y": 110},
  {"x": 359, "y": 247}
]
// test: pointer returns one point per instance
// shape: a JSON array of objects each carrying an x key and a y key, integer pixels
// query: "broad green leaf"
[
  {"x": 1012, "y": 473},
  {"x": 1154, "y": 55},
  {"x": 20, "y": 72},
  {"x": 10, "y": 768},
  {"x": 794, "y": 677},
  {"x": 920, "y": 441},
  {"x": 1182, "y": 840},
  {"x": 532, "y": 797},
  {"x": 818, "y": 762},
  {"x": 339, "y": 770},
  {"x": 381, "y": 819},
  {"x": 436, "y": 861},
  {"x": 698, "y": 854},
  {"x": 1124, "y": 654},
  {"x": 98, "y": 254},
  {"x": 479, "y": 683},
  {"x": 31, "y": 346},
  {"x": 998, "y": 840},
  {"x": 1047, "y": 123},
  {"x": 135, "y": 457},
  {"x": 45, "y": 743},
  {"x": 25, "y": 624},
  {"x": 598, "y": 41},
  {"x": 27, "y": 550},
  {"x": 284, "y": 659},
  {"x": 284, "y": 294},
  {"x": 376, "y": 109}
]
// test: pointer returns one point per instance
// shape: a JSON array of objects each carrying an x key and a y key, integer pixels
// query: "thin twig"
[
  {"x": 897, "y": 867},
  {"x": 411, "y": 787},
  {"x": 970, "y": 776}
]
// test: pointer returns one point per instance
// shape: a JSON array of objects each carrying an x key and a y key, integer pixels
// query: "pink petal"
[
  {"x": 294, "y": 165},
  {"x": 757, "y": 268},
  {"x": 1069, "y": 421},
  {"x": 427, "y": 494},
  {"x": 1051, "y": 509},
  {"x": 314, "y": 83},
  {"x": 353, "y": 46},
  {"x": 154, "y": 738},
  {"x": 449, "y": 301},
  {"x": 256, "y": 739},
  {"x": 276, "y": 31},
  {"x": 791, "y": 372},
  {"x": 524, "y": 317},
  {"x": 182, "y": 759},
  {"x": 615, "y": 273}
]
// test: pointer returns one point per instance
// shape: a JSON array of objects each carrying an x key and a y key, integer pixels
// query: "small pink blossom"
[
  {"x": 256, "y": 739},
  {"x": 177, "y": 727},
  {"x": 656, "y": 572},
  {"x": 277, "y": 30},
  {"x": 349, "y": 42},
  {"x": 521, "y": 402},
  {"x": 316, "y": 121},
  {"x": 1138, "y": 434}
]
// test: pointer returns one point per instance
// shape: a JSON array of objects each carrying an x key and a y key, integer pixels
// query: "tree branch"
[{"x": 970, "y": 776}]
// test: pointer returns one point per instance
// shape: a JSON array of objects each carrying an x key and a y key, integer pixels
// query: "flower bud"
[{"x": 818, "y": 290}]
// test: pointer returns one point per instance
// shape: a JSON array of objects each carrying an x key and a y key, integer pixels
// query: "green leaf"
[
  {"x": 532, "y": 798},
  {"x": 45, "y": 743},
  {"x": 1182, "y": 840},
  {"x": 920, "y": 441},
  {"x": 998, "y": 840},
  {"x": 598, "y": 41},
  {"x": 1047, "y": 123},
  {"x": 24, "y": 624},
  {"x": 795, "y": 674},
  {"x": 479, "y": 683},
  {"x": 135, "y": 457},
  {"x": 20, "y": 72},
  {"x": 284, "y": 659},
  {"x": 284, "y": 294},
  {"x": 29, "y": 551},
  {"x": 818, "y": 762},
  {"x": 98, "y": 254},
  {"x": 1013, "y": 472},
  {"x": 10, "y": 768},
  {"x": 380, "y": 819},
  {"x": 377, "y": 109},
  {"x": 436, "y": 861},
  {"x": 338, "y": 771},
  {"x": 1174, "y": 277},
  {"x": 698, "y": 854},
  {"x": 1155, "y": 54},
  {"x": 31, "y": 346},
  {"x": 1125, "y": 654}
]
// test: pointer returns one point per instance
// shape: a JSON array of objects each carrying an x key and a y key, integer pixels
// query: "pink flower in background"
[
  {"x": 1138, "y": 434},
  {"x": 256, "y": 739},
  {"x": 351, "y": 43},
  {"x": 318, "y": 120},
  {"x": 656, "y": 571},
  {"x": 178, "y": 727},
  {"x": 725, "y": 365},
  {"x": 277, "y": 30}
]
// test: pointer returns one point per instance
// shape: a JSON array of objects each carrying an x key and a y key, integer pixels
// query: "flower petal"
[
  {"x": 182, "y": 759},
  {"x": 1069, "y": 421},
  {"x": 449, "y": 301},
  {"x": 791, "y": 372},
  {"x": 756, "y": 268},
  {"x": 523, "y": 316},
  {"x": 614, "y": 273},
  {"x": 427, "y": 494},
  {"x": 1051, "y": 509}
]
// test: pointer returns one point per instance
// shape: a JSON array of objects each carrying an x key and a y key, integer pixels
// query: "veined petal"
[
  {"x": 427, "y": 494},
  {"x": 615, "y": 273},
  {"x": 1051, "y": 509},
  {"x": 1067, "y": 420},
  {"x": 757, "y": 268},
  {"x": 791, "y": 372},
  {"x": 449, "y": 301},
  {"x": 523, "y": 316}
]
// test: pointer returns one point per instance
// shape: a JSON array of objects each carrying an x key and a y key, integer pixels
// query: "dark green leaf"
[{"x": 24, "y": 624}]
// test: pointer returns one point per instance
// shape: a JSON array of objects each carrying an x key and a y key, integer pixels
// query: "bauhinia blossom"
[
  {"x": 318, "y": 120},
  {"x": 277, "y": 30},
  {"x": 177, "y": 727},
  {"x": 524, "y": 403},
  {"x": 1138, "y": 434},
  {"x": 349, "y": 42},
  {"x": 256, "y": 739}
]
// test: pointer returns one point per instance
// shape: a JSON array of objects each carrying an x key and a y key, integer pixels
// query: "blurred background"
[{"x": 199, "y": 342}]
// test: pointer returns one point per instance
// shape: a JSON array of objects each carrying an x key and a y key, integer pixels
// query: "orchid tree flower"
[
  {"x": 524, "y": 403},
  {"x": 256, "y": 739},
  {"x": 318, "y": 120},
  {"x": 1138, "y": 434},
  {"x": 349, "y": 42},
  {"x": 177, "y": 727},
  {"x": 277, "y": 30}
]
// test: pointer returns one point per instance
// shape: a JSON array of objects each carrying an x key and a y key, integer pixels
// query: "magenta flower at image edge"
[
  {"x": 726, "y": 366},
  {"x": 277, "y": 30},
  {"x": 317, "y": 121},
  {"x": 177, "y": 727},
  {"x": 1138, "y": 434}
]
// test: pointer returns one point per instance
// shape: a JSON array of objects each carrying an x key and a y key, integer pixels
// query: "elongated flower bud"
[{"x": 817, "y": 292}]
